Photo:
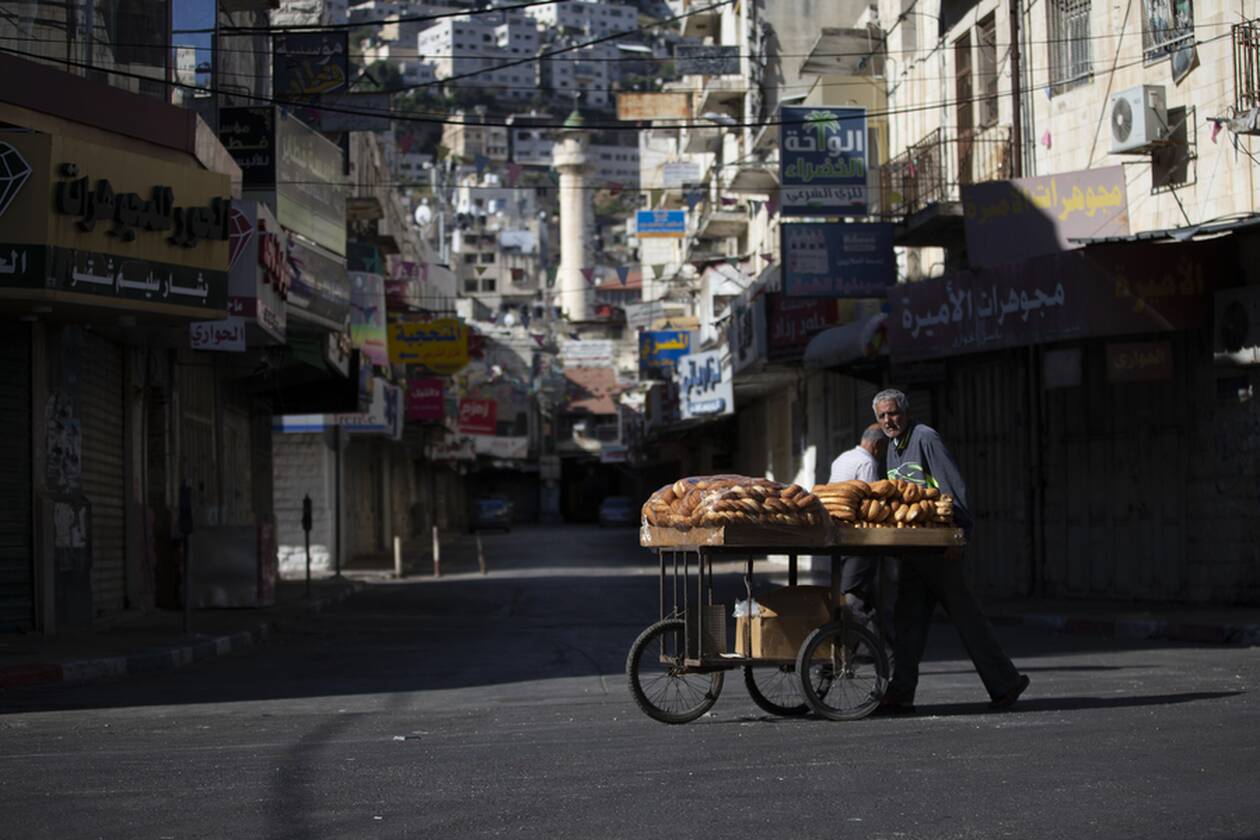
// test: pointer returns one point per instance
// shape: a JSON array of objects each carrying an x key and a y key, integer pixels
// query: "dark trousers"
[
  {"x": 926, "y": 582},
  {"x": 870, "y": 599}
]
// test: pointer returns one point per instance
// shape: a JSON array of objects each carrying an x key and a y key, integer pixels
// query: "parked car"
[
  {"x": 617, "y": 510},
  {"x": 491, "y": 512}
]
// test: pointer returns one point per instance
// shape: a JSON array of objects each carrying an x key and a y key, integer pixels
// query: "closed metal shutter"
[
  {"x": 17, "y": 581},
  {"x": 101, "y": 408}
]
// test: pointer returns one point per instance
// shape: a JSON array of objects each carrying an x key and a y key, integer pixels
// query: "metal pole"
[
  {"x": 1017, "y": 121},
  {"x": 337, "y": 498},
  {"x": 437, "y": 554},
  {"x": 481, "y": 555},
  {"x": 398, "y": 564},
  {"x": 185, "y": 530},
  {"x": 307, "y": 520}
]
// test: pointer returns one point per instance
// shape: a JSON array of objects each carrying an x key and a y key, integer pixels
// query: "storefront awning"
[
  {"x": 1205, "y": 230},
  {"x": 847, "y": 343}
]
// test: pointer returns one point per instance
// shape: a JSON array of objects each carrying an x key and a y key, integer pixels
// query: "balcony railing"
[
  {"x": 1246, "y": 67},
  {"x": 932, "y": 170}
]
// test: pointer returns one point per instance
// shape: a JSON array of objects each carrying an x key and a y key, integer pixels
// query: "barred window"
[{"x": 1070, "y": 60}]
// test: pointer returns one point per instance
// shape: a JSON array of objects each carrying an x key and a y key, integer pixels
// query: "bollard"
[
  {"x": 437, "y": 554},
  {"x": 307, "y": 520},
  {"x": 398, "y": 570},
  {"x": 481, "y": 555}
]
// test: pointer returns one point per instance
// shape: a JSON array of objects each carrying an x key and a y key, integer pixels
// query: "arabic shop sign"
[
  {"x": 792, "y": 322},
  {"x": 1146, "y": 361},
  {"x": 367, "y": 316},
  {"x": 845, "y": 260},
  {"x": 426, "y": 399},
  {"x": 661, "y": 224},
  {"x": 1008, "y": 221},
  {"x": 704, "y": 386},
  {"x": 439, "y": 346},
  {"x": 227, "y": 335},
  {"x": 249, "y": 135},
  {"x": 258, "y": 278},
  {"x": 822, "y": 161},
  {"x": 1104, "y": 291},
  {"x": 748, "y": 330},
  {"x": 310, "y": 191},
  {"x": 89, "y": 219},
  {"x": 660, "y": 350},
  {"x": 308, "y": 64},
  {"x": 477, "y": 417}
]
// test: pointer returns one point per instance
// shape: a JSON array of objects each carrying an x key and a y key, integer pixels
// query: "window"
[
  {"x": 470, "y": 285},
  {"x": 489, "y": 284},
  {"x": 1167, "y": 26},
  {"x": 986, "y": 41},
  {"x": 470, "y": 258},
  {"x": 487, "y": 257},
  {"x": 1069, "y": 44}
]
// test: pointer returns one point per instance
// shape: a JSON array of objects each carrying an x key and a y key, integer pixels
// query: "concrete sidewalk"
[{"x": 155, "y": 641}]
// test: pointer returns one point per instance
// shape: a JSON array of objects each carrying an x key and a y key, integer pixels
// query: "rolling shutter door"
[
  {"x": 101, "y": 405},
  {"x": 17, "y": 582}
]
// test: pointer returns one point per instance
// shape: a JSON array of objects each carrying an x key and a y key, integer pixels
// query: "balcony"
[
  {"x": 922, "y": 185},
  {"x": 722, "y": 95},
  {"x": 722, "y": 222},
  {"x": 699, "y": 24}
]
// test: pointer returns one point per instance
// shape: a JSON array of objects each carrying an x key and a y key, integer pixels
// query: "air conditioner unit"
[
  {"x": 1236, "y": 328},
  {"x": 1139, "y": 118}
]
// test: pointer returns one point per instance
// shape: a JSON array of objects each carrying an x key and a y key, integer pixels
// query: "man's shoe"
[
  {"x": 1008, "y": 699},
  {"x": 890, "y": 706}
]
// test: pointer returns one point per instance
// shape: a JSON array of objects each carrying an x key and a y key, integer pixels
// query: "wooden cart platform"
[{"x": 812, "y": 539}]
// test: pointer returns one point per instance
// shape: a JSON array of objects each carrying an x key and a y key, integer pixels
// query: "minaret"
[{"x": 569, "y": 158}]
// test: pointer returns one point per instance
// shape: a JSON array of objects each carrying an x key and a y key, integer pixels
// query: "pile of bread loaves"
[
  {"x": 890, "y": 503},
  {"x": 716, "y": 500}
]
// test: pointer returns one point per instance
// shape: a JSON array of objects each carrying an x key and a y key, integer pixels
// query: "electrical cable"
[{"x": 336, "y": 27}]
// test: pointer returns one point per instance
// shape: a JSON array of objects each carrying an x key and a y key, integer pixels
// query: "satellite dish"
[{"x": 423, "y": 215}]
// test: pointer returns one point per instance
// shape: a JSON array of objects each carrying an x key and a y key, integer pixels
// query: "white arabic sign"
[
  {"x": 227, "y": 335},
  {"x": 704, "y": 385}
]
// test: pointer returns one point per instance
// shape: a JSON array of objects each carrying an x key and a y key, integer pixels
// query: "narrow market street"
[{"x": 474, "y": 706}]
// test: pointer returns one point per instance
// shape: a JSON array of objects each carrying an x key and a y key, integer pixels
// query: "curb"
[
  {"x": 156, "y": 659},
  {"x": 1134, "y": 628}
]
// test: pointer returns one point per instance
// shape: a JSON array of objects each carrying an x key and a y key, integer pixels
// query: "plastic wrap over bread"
[
  {"x": 891, "y": 503},
  {"x": 715, "y": 500}
]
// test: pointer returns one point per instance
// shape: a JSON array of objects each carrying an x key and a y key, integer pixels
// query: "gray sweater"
[{"x": 921, "y": 456}]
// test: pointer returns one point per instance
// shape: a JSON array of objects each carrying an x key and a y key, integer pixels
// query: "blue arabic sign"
[
  {"x": 661, "y": 223},
  {"x": 845, "y": 260},
  {"x": 822, "y": 161},
  {"x": 659, "y": 352}
]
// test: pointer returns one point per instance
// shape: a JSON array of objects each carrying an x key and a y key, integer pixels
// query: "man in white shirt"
[
  {"x": 859, "y": 575},
  {"x": 863, "y": 460}
]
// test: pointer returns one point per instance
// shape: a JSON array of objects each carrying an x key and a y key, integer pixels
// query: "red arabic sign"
[
  {"x": 426, "y": 400},
  {"x": 477, "y": 417},
  {"x": 274, "y": 263},
  {"x": 792, "y": 322}
]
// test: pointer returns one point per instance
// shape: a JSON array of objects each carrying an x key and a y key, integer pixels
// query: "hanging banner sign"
[
  {"x": 663, "y": 224},
  {"x": 439, "y": 346},
  {"x": 367, "y": 316},
  {"x": 822, "y": 161}
]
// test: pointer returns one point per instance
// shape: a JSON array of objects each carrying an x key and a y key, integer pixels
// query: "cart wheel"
[
  {"x": 844, "y": 672},
  {"x": 775, "y": 688},
  {"x": 658, "y": 678}
]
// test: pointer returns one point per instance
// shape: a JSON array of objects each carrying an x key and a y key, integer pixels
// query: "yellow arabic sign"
[{"x": 440, "y": 346}]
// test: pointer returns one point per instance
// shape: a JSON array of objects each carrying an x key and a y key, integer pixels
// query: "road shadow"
[{"x": 1069, "y": 704}]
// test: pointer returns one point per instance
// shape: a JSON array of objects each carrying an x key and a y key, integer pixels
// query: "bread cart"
[{"x": 677, "y": 666}]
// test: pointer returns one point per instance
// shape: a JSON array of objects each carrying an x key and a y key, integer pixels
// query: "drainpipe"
[{"x": 1017, "y": 119}]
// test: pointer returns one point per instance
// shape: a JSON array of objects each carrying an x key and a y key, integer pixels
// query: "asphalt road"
[{"x": 473, "y": 707}]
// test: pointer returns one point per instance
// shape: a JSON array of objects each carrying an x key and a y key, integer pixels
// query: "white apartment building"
[
  {"x": 585, "y": 75},
  {"x": 458, "y": 46},
  {"x": 586, "y": 18}
]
